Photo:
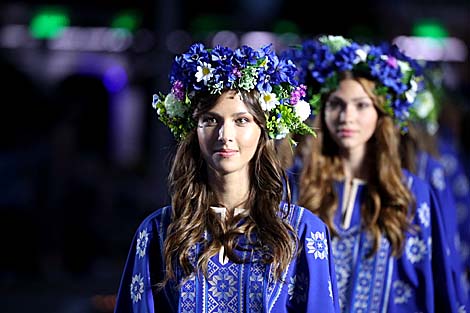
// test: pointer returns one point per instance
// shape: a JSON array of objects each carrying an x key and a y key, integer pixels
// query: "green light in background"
[
  {"x": 126, "y": 20},
  {"x": 48, "y": 22},
  {"x": 285, "y": 26},
  {"x": 429, "y": 28},
  {"x": 204, "y": 24}
]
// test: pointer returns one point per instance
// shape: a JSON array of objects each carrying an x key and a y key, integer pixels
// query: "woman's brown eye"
[{"x": 209, "y": 121}]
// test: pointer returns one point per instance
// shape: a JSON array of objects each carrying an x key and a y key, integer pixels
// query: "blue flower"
[
  {"x": 214, "y": 70},
  {"x": 320, "y": 61}
]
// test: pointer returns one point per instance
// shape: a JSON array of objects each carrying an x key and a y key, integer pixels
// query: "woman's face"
[
  {"x": 350, "y": 116},
  {"x": 228, "y": 135}
]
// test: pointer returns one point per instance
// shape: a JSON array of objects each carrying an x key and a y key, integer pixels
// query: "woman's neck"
[
  {"x": 232, "y": 190},
  {"x": 354, "y": 165}
]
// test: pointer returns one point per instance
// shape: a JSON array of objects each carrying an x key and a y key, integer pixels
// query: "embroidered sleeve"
[{"x": 312, "y": 285}]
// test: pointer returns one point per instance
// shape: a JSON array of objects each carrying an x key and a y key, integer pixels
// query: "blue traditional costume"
[
  {"x": 421, "y": 279},
  {"x": 306, "y": 286},
  {"x": 460, "y": 189},
  {"x": 248, "y": 281},
  {"x": 385, "y": 281}
]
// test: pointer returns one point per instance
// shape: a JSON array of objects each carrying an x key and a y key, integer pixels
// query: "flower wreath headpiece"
[
  {"x": 427, "y": 105},
  {"x": 221, "y": 68},
  {"x": 320, "y": 61}
]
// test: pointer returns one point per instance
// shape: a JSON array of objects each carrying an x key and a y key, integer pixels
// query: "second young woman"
[{"x": 389, "y": 244}]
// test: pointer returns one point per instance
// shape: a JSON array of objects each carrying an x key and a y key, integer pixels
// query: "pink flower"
[
  {"x": 392, "y": 61},
  {"x": 178, "y": 90}
]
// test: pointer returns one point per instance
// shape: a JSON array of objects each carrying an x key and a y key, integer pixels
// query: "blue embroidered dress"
[
  {"x": 308, "y": 285},
  {"x": 418, "y": 281},
  {"x": 459, "y": 185}
]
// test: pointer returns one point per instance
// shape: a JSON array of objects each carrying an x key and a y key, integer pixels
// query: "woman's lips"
[
  {"x": 226, "y": 153},
  {"x": 346, "y": 132}
]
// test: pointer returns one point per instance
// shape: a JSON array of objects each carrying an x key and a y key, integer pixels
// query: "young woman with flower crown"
[
  {"x": 227, "y": 243},
  {"x": 389, "y": 244}
]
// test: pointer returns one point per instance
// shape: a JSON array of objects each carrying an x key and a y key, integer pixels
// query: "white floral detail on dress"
[
  {"x": 222, "y": 285},
  {"x": 298, "y": 288},
  {"x": 449, "y": 163},
  {"x": 317, "y": 245},
  {"x": 402, "y": 292},
  {"x": 460, "y": 185},
  {"x": 330, "y": 289},
  {"x": 291, "y": 288},
  {"x": 424, "y": 214},
  {"x": 415, "y": 249},
  {"x": 137, "y": 288},
  {"x": 438, "y": 179},
  {"x": 142, "y": 243}
]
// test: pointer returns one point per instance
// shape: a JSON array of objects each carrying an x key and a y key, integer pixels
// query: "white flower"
[
  {"x": 204, "y": 72},
  {"x": 155, "y": 100},
  {"x": 424, "y": 104},
  {"x": 404, "y": 66},
  {"x": 268, "y": 101},
  {"x": 173, "y": 106},
  {"x": 411, "y": 93},
  {"x": 361, "y": 56},
  {"x": 137, "y": 288},
  {"x": 302, "y": 110},
  {"x": 335, "y": 43}
]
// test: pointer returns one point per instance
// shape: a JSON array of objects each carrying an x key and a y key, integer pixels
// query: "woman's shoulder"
[
  {"x": 414, "y": 182},
  {"x": 157, "y": 219},
  {"x": 298, "y": 215}
]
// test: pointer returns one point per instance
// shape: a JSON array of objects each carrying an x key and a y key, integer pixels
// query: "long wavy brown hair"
[
  {"x": 262, "y": 224},
  {"x": 389, "y": 205},
  {"x": 412, "y": 142}
]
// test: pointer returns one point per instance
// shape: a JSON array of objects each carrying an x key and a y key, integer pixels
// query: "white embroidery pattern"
[
  {"x": 424, "y": 214},
  {"x": 298, "y": 288},
  {"x": 137, "y": 288},
  {"x": 415, "y": 249},
  {"x": 142, "y": 243},
  {"x": 290, "y": 291},
  {"x": 460, "y": 185},
  {"x": 449, "y": 162},
  {"x": 402, "y": 292},
  {"x": 317, "y": 245},
  {"x": 437, "y": 179}
]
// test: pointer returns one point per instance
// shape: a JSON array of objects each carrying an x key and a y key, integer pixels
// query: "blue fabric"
[
  {"x": 308, "y": 285},
  {"x": 459, "y": 186},
  {"x": 421, "y": 280}
]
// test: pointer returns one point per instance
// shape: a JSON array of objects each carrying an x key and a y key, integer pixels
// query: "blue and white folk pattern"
[
  {"x": 308, "y": 284},
  {"x": 382, "y": 282}
]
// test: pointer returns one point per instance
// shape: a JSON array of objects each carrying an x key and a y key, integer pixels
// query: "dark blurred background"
[{"x": 83, "y": 158}]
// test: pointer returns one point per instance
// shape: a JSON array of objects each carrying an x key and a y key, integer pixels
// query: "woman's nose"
[
  {"x": 226, "y": 132},
  {"x": 346, "y": 113}
]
